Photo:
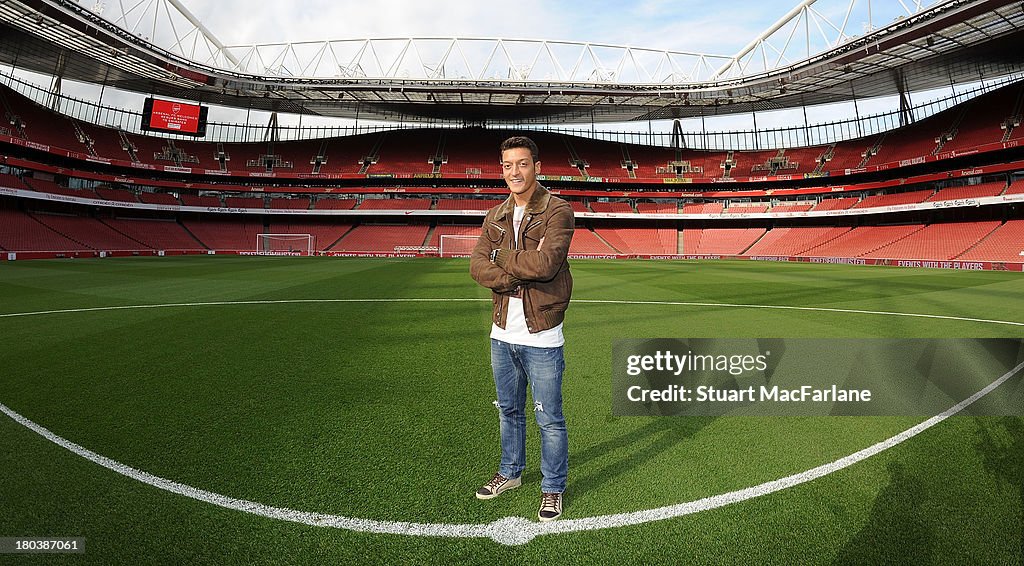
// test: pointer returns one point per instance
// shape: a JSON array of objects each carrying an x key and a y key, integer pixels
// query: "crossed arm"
[{"x": 512, "y": 268}]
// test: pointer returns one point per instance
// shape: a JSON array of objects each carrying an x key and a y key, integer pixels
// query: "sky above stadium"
[
  {"x": 686, "y": 25},
  {"x": 717, "y": 28}
]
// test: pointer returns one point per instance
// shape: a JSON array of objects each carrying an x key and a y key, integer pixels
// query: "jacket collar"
[{"x": 538, "y": 203}]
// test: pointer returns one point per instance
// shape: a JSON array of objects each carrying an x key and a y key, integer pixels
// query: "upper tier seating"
[
  {"x": 395, "y": 204},
  {"x": 657, "y": 208},
  {"x": 472, "y": 152},
  {"x": 194, "y": 200},
  {"x": 12, "y": 182},
  {"x": 1015, "y": 188},
  {"x": 475, "y": 153},
  {"x": 893, "y": 199},
  {"x": 120, "y": 195},
  {"x": 292, "y": 203},
  {"x": 44, "y": 186},
  {"x": 158, "y": 198},
  {"x": 791, "y": 207},
  {"x": 578, "y": 206},
  {"x": 621, "y": 207},
  {"x": 329, "y": 203},
  {"x": 467, "y": 204},
  {"x": 842, "y": 203},
  {"x": 408, "y": 151},
  {"x": 746, "y": 208},
  {"x": 969, "y": 191},
  {"x": 243, "y": 202},
  {"x": 703, "y": 208}
]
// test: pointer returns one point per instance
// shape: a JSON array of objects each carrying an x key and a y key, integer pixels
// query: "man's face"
[{"x": 519, "y": 170}]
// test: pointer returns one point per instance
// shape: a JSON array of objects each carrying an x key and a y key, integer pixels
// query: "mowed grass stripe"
[{"x": 310, "y": 406}]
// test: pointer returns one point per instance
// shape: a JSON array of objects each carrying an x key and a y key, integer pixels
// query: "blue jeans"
[{"x": 514, "y": 366}]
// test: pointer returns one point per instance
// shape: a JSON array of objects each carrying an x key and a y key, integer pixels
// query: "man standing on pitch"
[{"x": 521, "y": 257}]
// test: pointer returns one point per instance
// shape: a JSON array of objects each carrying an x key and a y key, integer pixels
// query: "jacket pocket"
[
  {"x": 494, "y": 232},
  {"x": 532, "y": 234}
]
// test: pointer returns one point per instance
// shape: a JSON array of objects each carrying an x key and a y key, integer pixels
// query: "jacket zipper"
[
  {"x": 515, "y": 241},
  {"x": 501, "y": 303}
]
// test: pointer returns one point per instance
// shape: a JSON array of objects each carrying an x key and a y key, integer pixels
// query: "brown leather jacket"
[{"x": 542, "y": 274}]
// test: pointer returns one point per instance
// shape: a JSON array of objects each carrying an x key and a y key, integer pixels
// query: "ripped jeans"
[{"x": 514, "y": 366}]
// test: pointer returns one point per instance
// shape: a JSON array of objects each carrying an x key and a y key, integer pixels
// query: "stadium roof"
[{"x": 951, "y": 42}]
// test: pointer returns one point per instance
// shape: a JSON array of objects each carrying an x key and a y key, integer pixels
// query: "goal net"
[
  {"x": 284, "y": 244},
  {"x": 457, "y": 246}
]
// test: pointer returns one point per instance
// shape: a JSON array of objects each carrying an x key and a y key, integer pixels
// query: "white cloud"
[
  {"x": 686, "y": 25},
  {"x": 318, "y": 20},
  {"x": 654, "y": 23}
]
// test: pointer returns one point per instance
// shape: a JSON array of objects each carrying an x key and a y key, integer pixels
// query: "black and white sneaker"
[
  {"x": 550, "y": 507},
  {"x": 496, "y": 486}
]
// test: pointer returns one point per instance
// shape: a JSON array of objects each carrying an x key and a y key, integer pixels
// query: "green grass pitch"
[{"x": 382, "y": 410}]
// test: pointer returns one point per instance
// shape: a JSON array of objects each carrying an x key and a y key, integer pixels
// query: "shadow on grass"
[
  {"x": 659, "y": 435},
  {"x": 1001, "y": 446},
  {"x": 898, "y": 530}
]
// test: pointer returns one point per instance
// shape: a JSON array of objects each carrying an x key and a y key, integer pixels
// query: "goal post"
[
  {"x": 285, "y": 244},
  {"x": 456, "y": 246}
]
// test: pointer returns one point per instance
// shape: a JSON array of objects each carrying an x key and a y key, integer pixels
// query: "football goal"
[
  {"x": 456, "y": 246},
  {"x": 284, "y": 244}
]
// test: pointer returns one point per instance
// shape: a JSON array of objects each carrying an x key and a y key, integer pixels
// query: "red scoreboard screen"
[{"x": 172, "y": 117}]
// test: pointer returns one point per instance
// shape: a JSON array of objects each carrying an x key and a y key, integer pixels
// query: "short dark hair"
[{"x": 520, "y": 141}]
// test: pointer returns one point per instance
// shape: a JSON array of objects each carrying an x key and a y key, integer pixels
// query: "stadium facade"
[{"x": 939, "y": 188}]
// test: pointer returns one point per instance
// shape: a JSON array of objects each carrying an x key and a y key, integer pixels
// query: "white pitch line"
[
  {"x": 575, "y": 301},
  {"x": 819, "y": 309},
  {"x": 716, "y": 501},
  {"x": 508, "y": 530},
  {"x": 226, "y": 303},
  {"x": 255, "y": 508}
]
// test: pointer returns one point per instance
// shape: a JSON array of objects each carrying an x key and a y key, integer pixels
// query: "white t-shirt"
[{"x": 516, "y": 331}]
